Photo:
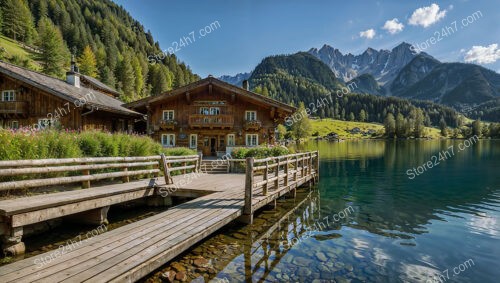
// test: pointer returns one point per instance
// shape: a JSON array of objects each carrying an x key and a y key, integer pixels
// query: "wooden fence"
[{"x": 272, "y": 175}]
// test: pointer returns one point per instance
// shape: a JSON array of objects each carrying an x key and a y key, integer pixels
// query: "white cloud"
[
  {"x": 393, "y": 26},
  {"x": 483, "y": 54},
  {"x": 369, "y": 33},
  {"x": 426, "y": 16}
]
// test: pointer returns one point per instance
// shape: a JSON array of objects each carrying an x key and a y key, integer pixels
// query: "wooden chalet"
[
  {"x": 32, "y": 99},
  {"x": 212, "y": 117}
]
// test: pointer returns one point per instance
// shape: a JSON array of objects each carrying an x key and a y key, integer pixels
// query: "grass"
[
  {"x": 325, "y": 126},
  {"x": 15, "y": 49}
]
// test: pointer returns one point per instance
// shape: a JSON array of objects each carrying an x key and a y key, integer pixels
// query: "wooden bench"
[{"x": 89, "y": 205}]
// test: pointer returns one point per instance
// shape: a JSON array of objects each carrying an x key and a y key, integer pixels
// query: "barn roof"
[{"x": 64, "y": 90}]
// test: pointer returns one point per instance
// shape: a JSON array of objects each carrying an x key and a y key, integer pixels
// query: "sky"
[{"x": 236, "y": 35}]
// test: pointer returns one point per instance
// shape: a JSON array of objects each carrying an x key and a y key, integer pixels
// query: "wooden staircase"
[{"x": 215, "y": 166}]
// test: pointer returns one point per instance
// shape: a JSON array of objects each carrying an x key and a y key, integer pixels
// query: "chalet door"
[{"x": 213, "y": 146}]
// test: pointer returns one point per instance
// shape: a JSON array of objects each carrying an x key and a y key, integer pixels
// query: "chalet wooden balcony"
[
  {"x": 14, "y": 107},
  {"x": 167, "y": 124},
  {"x": 253, "y": 125},
  {"x": 211, "y": 121}
]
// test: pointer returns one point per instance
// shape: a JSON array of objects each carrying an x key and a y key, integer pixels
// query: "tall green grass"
[{"x": 27, "y": 144}]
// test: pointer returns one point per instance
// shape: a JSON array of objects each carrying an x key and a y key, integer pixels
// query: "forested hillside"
[{"x": 108, "y": 43}]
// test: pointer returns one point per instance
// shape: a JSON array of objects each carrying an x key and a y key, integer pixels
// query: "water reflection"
[{"x": 400, "y": 230}]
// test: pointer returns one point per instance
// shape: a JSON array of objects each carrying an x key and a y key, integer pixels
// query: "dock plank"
[{"x": 130, "y": 252}]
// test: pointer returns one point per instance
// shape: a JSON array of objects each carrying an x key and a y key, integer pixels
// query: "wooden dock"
[{"x": 135, "y": 250}]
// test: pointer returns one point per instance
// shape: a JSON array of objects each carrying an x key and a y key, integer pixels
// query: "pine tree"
[
  {"x": 126, "y": 76},
  {"x": 362, "y": 115},
  {"x": 351, "y": 117},
  {"x": 390, "y": 125},
  {"x": 443, "y": 127},
  {"x": 281, "y": 131},
  {"x": 417, "y": 115},
  {"x": 301, "y": 128},
  {"x": 18, "y": 20},
  {"x": 400, "y": 125},
  {"x": 139, "y": 78},
  {"x": 87, "y": 62},
  {"x": 476, "y": 128},
  {"x": 53, "y": 51}
]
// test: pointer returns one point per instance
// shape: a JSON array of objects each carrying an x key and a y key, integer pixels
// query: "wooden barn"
[
  {"x": 212, "y": 117},
  {"x": 32, "y": 99}
]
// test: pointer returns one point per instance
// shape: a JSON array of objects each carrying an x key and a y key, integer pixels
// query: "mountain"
[
  {"x": 120, "y": 51},
  {"x": 291, "y": 78},
  {"x": 456, "y": 84},
  {"x": 383, "y": 65},
  {"x": 413, "y": 72},
  {"x": 237, "y": 79},
  {"x": 302, "y": 77},
  {"x": 366, "y": 83}
]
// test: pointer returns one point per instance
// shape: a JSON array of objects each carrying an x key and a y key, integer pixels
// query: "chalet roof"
[
  {"x": 216, "y": 82},
  {"x": 64, "y": 90},
  {"x": 100, "y": 85}
]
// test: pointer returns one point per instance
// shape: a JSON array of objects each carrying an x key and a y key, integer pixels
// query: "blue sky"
[{"x": 248, "y": 31}]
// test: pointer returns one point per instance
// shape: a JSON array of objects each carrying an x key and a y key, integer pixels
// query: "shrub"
[
  {"x": 33, "y": 144},
  {"x": 259, "y": 152}
]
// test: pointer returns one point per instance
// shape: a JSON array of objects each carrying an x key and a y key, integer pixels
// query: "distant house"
[
  {"x": 32, "y": 99},
  {"x": 212, "y": 116}
]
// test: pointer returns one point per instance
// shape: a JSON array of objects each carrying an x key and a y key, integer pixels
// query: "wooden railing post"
[
  {"x": 286, "y": 172},
  {"x": 317, "y": 164},
  {"x": 266, "y": 174},
  {"x": 303, "y": 157},
  {"x": 277, "y": 182},
  {"x": 168, "y": 178},
  {"x": 184, "y": 171},
  {"x": 125, "y": 179},
  {"x": 295, "y": 176},
  {"x": 247, "y": 216},
  {"x": 85, "y": 184},
  {"x": 199, "y": 162},
  {"x": 309, "y": 167},
  {"x": 156, "y": 166}
]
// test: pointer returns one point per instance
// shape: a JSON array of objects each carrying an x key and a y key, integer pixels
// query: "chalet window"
[
  {"x": 44, "y": 123},
  {"x": 193, "y": 141},
  {"x": 251, "y": 115},
  {"x": 204, "y": 111},
  {"x": 168, "y": 140},
  {"x": 230, "y": 140},
  {"x": 14, "y": 125},
  {"x": 214, "y": 110},
  {"x": 252, "y": 139},
  {"x": 168, "y": 115},
  {"x": 8, "y": 95}
]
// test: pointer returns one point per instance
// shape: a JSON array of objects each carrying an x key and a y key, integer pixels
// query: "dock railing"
[{"x": 269, "y": 178}]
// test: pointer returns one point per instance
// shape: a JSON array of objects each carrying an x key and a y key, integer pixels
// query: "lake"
[{"x": 375, "y": 216}]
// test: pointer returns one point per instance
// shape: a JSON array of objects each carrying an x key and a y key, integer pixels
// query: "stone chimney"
[
  {"x": 246, "y": 85},
  {"x": 73, "y": 76}
]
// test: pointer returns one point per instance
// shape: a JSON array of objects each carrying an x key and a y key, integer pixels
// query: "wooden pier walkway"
[{"x": 133, "y": 251}]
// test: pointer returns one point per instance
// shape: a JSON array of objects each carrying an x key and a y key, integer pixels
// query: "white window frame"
[
  {"x": 169, "y": 112},
  {"x": 9, "y": 94},
  {"x": 204, "y": 110},
  {"x": 168, "y": 140},
  {"x": 248, "y": 114},
  {"x": 195, "y": 144},
  {"x": 250, "y": 141},
  {"x": 14, "y": 124},
  {"x": 231, "y": 140},
  {"x": 44, "y": 123},
  {"x": 214, "y": 110}
]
